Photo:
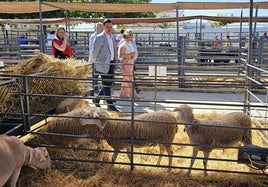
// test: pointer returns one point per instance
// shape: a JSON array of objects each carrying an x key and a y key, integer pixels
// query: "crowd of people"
[
  {"x": 105, "y": 51},
  {"x": 217, "y": 43}
]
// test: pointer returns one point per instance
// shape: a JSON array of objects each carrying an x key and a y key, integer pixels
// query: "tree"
[
  {"x": 166, "y": 25},
  {"x": 220, "y": 23}
]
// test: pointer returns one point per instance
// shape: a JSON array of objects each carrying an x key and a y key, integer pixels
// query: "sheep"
[
  {"x": 14, "y": 154},
  {"x": 69, "y": 124},
  {"x": 208, "y": 138},
  {"x": 150, "y": 128},
  {"x": 70, "y": 104}
]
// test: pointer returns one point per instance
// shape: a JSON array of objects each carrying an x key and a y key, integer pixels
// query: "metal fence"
[{"x": 164, "y": 67}]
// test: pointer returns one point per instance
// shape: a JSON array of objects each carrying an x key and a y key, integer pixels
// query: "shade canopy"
[
  {"x": 58, "y": 21},
  {"x": 33, "y": 7}
]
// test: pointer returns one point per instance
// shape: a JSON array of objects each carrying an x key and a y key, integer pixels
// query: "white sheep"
[
  {"x": 149, "y": 129},
  {"x": 206, "y": 138},
  {"x": 70, "y": 104},
  {"x": 14, "y": 154},
  {"x": 69, "y": 124}
]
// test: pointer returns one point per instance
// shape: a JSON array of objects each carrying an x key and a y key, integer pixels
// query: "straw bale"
[
  {"x": 54, "y": 69},
  {"x": 53, "y": 66}
]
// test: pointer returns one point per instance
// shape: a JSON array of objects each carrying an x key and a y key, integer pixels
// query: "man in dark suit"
[{"x": 104, "y": 55}]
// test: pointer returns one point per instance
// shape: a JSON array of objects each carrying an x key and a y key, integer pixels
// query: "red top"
[
  {"x": 216, "y": 43},
  {"x": 68, "y": 50}
]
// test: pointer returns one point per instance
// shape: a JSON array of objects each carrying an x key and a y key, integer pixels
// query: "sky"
[{"x": 223, "y": 12}]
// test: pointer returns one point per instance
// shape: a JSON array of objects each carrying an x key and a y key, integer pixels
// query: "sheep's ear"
[
  {"x": 185, "y": 113},
  {"x": 176, "y": 109},
  {"x": 178, "y": 112},
  {"x": 179, "y": 115},
  {"x": 96, "y": 114}
]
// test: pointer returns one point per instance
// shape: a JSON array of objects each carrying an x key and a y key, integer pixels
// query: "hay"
[
  {"x": 53, "y": 66},
  {"x": 53, "y": 84},
  {"x": 66, "y": 173}
]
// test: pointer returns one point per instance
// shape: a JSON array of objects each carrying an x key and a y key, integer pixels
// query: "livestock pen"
[
  {"x": 159, "y": 91},
  {"x": 168, "y": 77}
]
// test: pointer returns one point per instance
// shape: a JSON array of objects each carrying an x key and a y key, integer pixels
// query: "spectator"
[
  {"x": 265, "y": 37},
  {"x": 104, "y": 57},
  {"x": 60, "y": 47},
  {"x": 216, "y": 42},
  {"x": 50, "y": 37},
  {"x": 228, "y": 41},
  {"x": 120, "y": 36},
  {"x": 134, "y": 45},
  {"x": 95, "y": 75},
  {"x": 126, "y": 54}
]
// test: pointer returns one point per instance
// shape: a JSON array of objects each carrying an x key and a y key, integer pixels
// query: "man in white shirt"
[
  {"x": 95, "y": 75},
  {"x": 104, "y": 55}
]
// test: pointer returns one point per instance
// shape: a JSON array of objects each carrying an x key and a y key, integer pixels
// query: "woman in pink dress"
[{"x": 126, "y": 54}]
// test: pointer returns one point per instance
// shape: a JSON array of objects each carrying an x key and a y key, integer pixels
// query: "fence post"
[
  {"x": 26, "y": 104},
  {"x": 181, "y": 60}
]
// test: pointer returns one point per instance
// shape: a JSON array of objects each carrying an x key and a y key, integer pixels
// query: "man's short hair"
[{"x": 107, "y": 21}]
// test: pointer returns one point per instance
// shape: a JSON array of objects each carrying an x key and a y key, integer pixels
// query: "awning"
[
  {"x": 58, "y": 21},
  {"x": 33, "y": 7},
  {"x": 23, "y": 7}
]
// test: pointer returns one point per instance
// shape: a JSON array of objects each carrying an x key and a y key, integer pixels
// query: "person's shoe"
[
  {"x": 106, "y": 102},
  {"x": 137, "y": 90},
  {"x": 112, "y": 108},
  {"x": 96, "y": 102}
]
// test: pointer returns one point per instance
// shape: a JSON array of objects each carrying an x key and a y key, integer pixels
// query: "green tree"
[
  {"x": 166, "y": 25},
  {"x": 220, "y": 23},
  {"x": 73, "y": 14}
]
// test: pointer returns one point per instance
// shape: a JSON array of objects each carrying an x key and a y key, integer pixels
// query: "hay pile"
[
  {"x": 61, "y": 78},
  {"x": 52, "y": 66}
]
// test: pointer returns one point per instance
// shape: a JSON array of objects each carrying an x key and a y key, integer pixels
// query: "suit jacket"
[
  {"x": 90, "y": 45},
  {"x": 101, "y": 55}
]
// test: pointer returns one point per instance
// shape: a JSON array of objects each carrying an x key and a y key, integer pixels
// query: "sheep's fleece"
[
  {"x": 70, "y": 124},
  {"x": 14, "y": 154},
  {"x": 228, "y": 130},
  {"x": 149, "y": 128}
]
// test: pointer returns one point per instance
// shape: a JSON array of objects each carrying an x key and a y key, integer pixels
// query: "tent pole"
[
  {"x": 41, "y": 36},
  {"x": 240, "y": 34},
  {"x": 249, "y": 61},
  {"x": 255, "y": 19}
]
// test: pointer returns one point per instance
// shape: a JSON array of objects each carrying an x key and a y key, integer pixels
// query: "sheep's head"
[
  {"x": 185, "y": 113},
  {"x": 39, "y": 158},
  {"x": 95, "y": 116}
]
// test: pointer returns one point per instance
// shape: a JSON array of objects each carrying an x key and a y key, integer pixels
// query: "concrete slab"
[{"x": 202, "y": 102}]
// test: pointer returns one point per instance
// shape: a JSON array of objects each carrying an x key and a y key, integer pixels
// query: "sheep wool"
[
  {"x": 229, "y": 130},
  {"x": 229, "y": 136},
  {"x": 70, "y": 124},
  {"x": 150, "y": 128}
]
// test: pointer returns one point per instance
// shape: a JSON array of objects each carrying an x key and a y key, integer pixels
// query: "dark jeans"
[
  {"x": 107, "y": 82},
  {"x": 96, "y": 81}
]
